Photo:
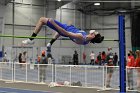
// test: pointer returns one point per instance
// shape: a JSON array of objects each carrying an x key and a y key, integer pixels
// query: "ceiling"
[
  {"x": 4, "y": 2},
  {"x": 57, "y": 3},
  {"x": 106, "y": 7}
]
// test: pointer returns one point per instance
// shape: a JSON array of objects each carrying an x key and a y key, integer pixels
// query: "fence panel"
[
  {"x": 95, "y": 76},
  {"x": 6, "y": 71},
  {"x": 20, "y": 72},
  {"x": 77, "y": 75},
  {"x": 32, "y": 73},
  {"x": 62, "y": 73},
  {"x": 112, "y": 77}
]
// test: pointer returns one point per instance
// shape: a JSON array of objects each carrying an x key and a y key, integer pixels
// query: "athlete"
[{"x": 78, "y": 36}]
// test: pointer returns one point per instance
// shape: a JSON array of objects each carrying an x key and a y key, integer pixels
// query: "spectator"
[
  {"x": 24, "y": 57},
  {"x": 5, "y": 57},
  {"x": 115, "y": 57},
  {"x": 137, "y": 64},
  {"x": 130, "y": 64},
  {"x": 38, "y": 59},
  {"x": 92, "y": 58},
  {"x": 84, "y": 57},
  {"x": 75, "y": 58},
  {"x": 110, "y": 69},
  {"x": 103, "y": 57},
  {"x": 99, "y": 58},
  {"x": 42, "y": 67},
  {"x": 20, "y": 59}
]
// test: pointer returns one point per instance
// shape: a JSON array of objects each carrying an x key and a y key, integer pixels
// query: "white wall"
[
  {"x": 2, "y": 12},
  {"x": 24, "y": 15},
  {"x": 106, "y": 25},
  {"x": 29, "y": 15}
]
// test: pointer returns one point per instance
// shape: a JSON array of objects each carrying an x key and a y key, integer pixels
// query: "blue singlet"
[{"x": 68, "y": 28}]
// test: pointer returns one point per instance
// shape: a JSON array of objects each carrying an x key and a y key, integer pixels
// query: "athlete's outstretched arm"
[{"x": 63, "y": 31}]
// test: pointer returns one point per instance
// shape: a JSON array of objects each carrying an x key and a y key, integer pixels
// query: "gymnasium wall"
[
  {"x": 26, "y": 16},
  {"x": 106, "y": 25}
]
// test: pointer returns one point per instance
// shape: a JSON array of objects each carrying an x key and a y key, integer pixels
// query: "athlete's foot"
[
  {"x": 28, "y": 41},
  {"x": 48, "y": 47}
]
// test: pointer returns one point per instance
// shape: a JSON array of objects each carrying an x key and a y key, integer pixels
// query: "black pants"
[
  {"x": 75, "y": 62},
  {"x": 92, "y": 62}
]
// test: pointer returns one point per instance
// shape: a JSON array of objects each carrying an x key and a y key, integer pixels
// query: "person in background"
[
  {"x": 92, "y": 58},
  {"x": 99, "y": 58},
  {"x": 20, "y": 58},
  {"x": 24, "y": 58},
  {"x": 5, "y": 57},
  {"x": 137, "y": 64},
  {"x": 84, "y": 57},
  {"x": 110, "y": 69},
  {"x": 130, "y": 64},
  {"x": 38, "y": 59},
  {"x": 103, "y": 56},
  {"x": 115, "y": 57},
  {"x": 75, "y": 58},
  {"x": 42, "y": 66}
]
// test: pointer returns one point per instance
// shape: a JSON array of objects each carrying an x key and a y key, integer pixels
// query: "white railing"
[
  {"x": 6, "y": 71},
  {"x": 77, "y": 75}
]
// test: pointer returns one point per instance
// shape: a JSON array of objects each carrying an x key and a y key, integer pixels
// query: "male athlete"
[{"x": 78, "y": 36}]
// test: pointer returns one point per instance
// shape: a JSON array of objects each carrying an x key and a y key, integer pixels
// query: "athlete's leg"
[
  {"x": 56, "y": 35},
  {"x": 59, "y": 29},
  {"x": 44, "y": 21},
  {"x": 63, "y": 32},
  {"x": 39, "y": 24},
  {"x": 38, "y": 27}
]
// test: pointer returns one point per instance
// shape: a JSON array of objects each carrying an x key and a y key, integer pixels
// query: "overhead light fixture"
[
  {"x": 96, "y": 3},
  {"x": 58, "y": 0}
]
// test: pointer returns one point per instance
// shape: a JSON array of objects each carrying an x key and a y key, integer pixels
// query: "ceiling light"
[
  {"x": 58, "y": 0},
  {"x": 96, "y": 3}
]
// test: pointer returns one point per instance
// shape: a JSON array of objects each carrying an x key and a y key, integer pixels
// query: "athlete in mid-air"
[{"x": 78, "y": 36}]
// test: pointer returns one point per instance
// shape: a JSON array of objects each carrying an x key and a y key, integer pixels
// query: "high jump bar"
[{"x": 39, "y": 37}]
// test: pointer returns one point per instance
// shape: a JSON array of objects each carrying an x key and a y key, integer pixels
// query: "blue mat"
[{"x": 12, "y": 90}]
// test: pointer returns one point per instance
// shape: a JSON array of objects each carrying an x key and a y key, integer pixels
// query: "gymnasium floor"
[{"x": 9, "y": 87}]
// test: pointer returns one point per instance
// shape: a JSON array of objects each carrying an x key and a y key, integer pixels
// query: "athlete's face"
[
  {"x": 69, "y": 22},
  {"x": 92, "y": 35}
]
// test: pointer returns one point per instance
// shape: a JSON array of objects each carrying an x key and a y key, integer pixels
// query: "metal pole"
[
  {"x": 13, "y": 21},
  {"x": 122, "y": 64}
]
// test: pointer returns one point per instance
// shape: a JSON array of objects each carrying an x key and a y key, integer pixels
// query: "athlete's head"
[
  {"x": 43, "y": 53},
  {"x": 98, "y": 38}
]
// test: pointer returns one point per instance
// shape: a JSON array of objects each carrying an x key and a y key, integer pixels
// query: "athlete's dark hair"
[{"x": 98, "y": 39}]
